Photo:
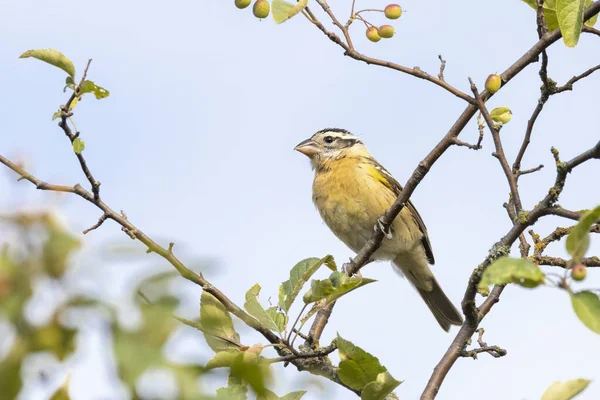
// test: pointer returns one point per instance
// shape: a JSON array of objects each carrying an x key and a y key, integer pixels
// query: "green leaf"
[
  {"x": 352, "y": 375},
  {"x": 73, "y": 103},
  {"x": 565, "y": 390},
  {"x": 550, "y": 15},
  {"x": 222, "y": 359},
  {"x": 318, "y": 290},
  {"x": 91, "y": 87},
  {"x": 52, "y": 57},
  {"x": 216, "y": 320},
  {"x": 592, "y": 21},
  {"x": 578, "y": 240},
  {"x": 549, "y": 9},
  {"x": 288, "y": 291},
  {"x": 78, "y": 145},
  {"x": 57, "y": 114},
  {"x": 329, "y": 290},
  {"x": 290, "y": 396},
  {"x": 270, "y": 318},
  {"x": 570, "y": 19},
  {"x": 501, "y": 114},
  {"x": 233, "y": 392},
  {"x": 282, "y": 10},
  {"x": 250, "y": 368},
  {"x": 378, "y": 390},
  {"x": 587, "y": 307},
  {"x": 512, "y": 270},
  {"x": 357, "y": 368}
]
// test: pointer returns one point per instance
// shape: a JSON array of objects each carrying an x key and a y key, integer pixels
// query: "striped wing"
[{"x": 392, "y": 184}]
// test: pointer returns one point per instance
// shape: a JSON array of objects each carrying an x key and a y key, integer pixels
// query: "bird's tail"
[{"x": 417, "y": 271}]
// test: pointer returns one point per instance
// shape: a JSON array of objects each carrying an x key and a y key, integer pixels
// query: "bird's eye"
[{"x": 328, "y": 139}]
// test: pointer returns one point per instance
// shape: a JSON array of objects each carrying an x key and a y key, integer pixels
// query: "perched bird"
[{"x": 352, "y": 191}]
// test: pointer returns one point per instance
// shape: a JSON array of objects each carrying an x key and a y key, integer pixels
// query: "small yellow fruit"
[
  {"x": 578, "y": 272},
  {"x": 242, "y": 3},
  {"x": 386, "y": 31},
  {"x": 393, "y": 11},
  {"x": 493, "y": 83},
  {"x": 261, "y": 9},
  {"x": 372, "y": 34}
]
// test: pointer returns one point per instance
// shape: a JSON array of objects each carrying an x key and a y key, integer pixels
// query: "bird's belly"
[{"x": 351, "y": 212}]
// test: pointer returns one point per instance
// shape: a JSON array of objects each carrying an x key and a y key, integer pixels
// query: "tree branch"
[{"x": 475, "y": 315}]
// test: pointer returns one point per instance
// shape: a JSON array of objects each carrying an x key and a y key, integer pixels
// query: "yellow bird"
[{"x": 352, "y": 191}]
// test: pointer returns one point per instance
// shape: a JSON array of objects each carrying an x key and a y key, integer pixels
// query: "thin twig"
[
  {"x": 442, "y": 68},
  {"x": 499, "y": 153},
  {"x": 312, "y": 354},
  {"x": 103, "y": 218}
]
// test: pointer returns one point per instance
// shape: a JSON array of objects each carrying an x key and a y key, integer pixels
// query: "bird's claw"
[{"x": 388, "y": 232}]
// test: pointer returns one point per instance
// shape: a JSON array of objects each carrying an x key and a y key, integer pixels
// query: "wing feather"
[{"x": 392, "y": 184}]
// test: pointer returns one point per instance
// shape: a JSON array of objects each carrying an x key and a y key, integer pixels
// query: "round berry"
[
  {"x": 393, "y": 11},
  {"x": 372, "y": 34}
]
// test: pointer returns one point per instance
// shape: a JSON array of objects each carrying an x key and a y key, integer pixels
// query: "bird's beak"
[{"x": 308, "y": 148}]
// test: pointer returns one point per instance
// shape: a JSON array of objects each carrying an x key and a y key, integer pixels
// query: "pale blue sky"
[{"x": 195, "y": 144}]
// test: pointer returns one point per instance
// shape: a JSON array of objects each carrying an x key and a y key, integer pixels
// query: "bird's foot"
[
  {"x": 345, "y": 267},
  {"x": 387, "y": 232}
]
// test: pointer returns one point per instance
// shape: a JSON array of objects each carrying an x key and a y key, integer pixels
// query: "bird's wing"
[{"x": 392, "y": 184}]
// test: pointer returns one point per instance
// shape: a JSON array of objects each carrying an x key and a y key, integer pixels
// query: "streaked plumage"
[{"x": 352, "y": 190}]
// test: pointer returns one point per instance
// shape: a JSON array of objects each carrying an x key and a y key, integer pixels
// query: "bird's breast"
[{"x": 350, "y": 201}]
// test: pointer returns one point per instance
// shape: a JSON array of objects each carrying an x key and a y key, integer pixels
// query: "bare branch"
[
  {"x": 103, "y": 218},
  {"x": 459, "y": 142},
  {"x": 499, "y": 154},
  {"x": 351, "y": 52},
  {"x": 528, "y": 171},
  {"x": 474, "y": 315}
]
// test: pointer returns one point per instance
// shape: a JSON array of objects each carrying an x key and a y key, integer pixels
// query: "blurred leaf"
[
  {"x": 216, "y": 320},
  {"x": 52, "y": 57},
  {"x": 270, "y": 318},
  {"x": 54, "y": 338},
  {"x": 10, "y": 370},
  {"x": 587, "y": 307},
  {"x": 57, "y": 249},
  {"x": 136, "y": 351},
  {"x": 565, "y": 390},
  {"x": 233, "y": 392},
  {"x": 78, "y": 145},
  {"x": 290, "y": 396},
  {"x": 299, "y": 275},
  {"x": 378, "y": 390},
  {"x": 222, "y": 359},
  {"x": 91, "y": 87},
  {"x": 250, "y": 368},
  {"x": 512, "y": 270},
  {"x": 570, "y": 19},
  {"x": 57, "y": 114},
  {"x": 578, "y": 240},
  {"x": 357, "y": 368},
  {"x": 282, "y": 10},
  {"x": 63, "y": 391}
]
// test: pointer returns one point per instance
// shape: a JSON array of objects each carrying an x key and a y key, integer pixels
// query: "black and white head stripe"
[{"x": 329, "y": 135}]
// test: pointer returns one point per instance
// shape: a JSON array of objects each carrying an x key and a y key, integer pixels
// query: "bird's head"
[{"x": 330, "y": 144}]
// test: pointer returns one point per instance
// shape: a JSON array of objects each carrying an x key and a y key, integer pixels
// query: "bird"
[{"x": 351, "y": 191}]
